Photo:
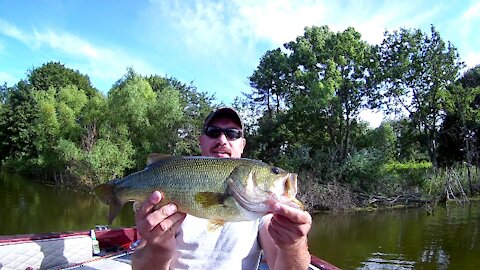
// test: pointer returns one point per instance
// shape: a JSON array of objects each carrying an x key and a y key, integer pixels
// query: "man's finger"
[
  {"x": 156, "y": 217},
  {"x": 171, "y": 220},
  {"x": 147, "y": 206},
  {"x": 295, "y": 215},
  {"x": 174, "y": 220},
  {"x": 281, "y": 222}
]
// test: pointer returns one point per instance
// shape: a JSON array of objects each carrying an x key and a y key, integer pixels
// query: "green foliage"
[
  {"x": 55, "y": 124},
  {"x": 409, "y": 174},
  {"x": 108, "y": 159},
  {"x": 455, "y": 177},
  {"x": 311, "y": 95},
  {"x": 56, "y": 75},
  {"x": 270, "y": 82},
  {"x": 196, "y": 107},
  {"x": 382, "y": 139},
  {"x": 363, "y": 171},
  {"x": 152, "y": 118},
  {"x": 471, "y": 78},
  {"x": 16, "y": 134},
  {"x": 461, "y": 125},
  {"x": 413, "y": 74}
]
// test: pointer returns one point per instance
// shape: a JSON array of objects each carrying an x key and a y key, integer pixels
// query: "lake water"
[{"x": 395, "y": 239}]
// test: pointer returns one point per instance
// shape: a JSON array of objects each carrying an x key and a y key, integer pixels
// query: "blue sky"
[{"x": 214, "y": 44}]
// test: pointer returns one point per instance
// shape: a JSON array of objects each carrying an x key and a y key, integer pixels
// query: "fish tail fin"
[{"x": 106, "y": 193}]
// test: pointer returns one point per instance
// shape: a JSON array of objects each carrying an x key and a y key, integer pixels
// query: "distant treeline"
[{"x": 302, "y": 114}]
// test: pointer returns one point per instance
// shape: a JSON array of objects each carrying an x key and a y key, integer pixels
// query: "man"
[{"x": 176, "y": 240}]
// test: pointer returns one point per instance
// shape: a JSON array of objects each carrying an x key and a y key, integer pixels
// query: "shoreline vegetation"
[
  {"x": 302, "y": 114},
  {"x": 333, "y": 197}
]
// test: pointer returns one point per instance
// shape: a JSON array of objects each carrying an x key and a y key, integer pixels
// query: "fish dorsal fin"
[
  {"x": 154, "y": 157},
  {"x": 214, "y": 224}
]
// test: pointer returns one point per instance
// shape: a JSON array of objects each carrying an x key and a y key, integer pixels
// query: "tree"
[
  {"x": 270, "y": 81},
  {"x": 195, "y": 105},
  {"x": 460, "y": 130},
  {"x": 414, "y": 73},
  {"x": 16, "y": 134},
  {"x": 382, "y": 138},
  {"x": 152, "y": 119},
  {"x": 318, "y": 84},
  {"x": 56, "y": 75}
]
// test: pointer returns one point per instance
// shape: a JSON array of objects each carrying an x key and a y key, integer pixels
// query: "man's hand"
[
  {"x": 157, "y": 229},
  {"x": 284, "y": 238},
  {"x": 289, "y": 226}
]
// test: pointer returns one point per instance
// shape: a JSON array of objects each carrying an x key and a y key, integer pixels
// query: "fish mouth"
[
  {"x": 290, "y": 191},
  {"x": 257, "y": 200}
]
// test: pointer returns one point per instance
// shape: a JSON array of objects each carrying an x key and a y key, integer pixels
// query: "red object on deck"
[{"x": 116, "y": 237}]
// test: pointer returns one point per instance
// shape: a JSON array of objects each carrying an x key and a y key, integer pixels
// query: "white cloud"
[
  {"x": 464, "y": 28},
  {"x": 103, "y": 65},
  {"x": 12, "y": 31},
  {"x": 101, "y": 62},
  {"x": 466, "y": 22},
  {"x": 222, "y": 26},
  {"x": 278, "y": 21},
  {"x": 68, "y": 43}
]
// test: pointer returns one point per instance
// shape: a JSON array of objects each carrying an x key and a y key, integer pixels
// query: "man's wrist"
[
  {"x": 295, "y": 256},
  {"x": 149, "y": 257}
]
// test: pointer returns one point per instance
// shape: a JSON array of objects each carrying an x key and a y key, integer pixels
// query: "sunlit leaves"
[{"x": 151, "y": 117}]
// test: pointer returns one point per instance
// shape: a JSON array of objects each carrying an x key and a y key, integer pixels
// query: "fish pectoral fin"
[
  {"x": 209, "y": 199},
  {"x": 214, "y": 224}
]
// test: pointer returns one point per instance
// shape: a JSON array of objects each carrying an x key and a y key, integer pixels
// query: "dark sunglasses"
[{"x": 215, "y": 132}]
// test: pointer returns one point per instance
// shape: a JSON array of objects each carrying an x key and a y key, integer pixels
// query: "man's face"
[{"x": 221, "y": 146}]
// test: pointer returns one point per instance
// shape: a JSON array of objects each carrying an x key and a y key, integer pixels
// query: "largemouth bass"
[{"x": 218, "y": 189}]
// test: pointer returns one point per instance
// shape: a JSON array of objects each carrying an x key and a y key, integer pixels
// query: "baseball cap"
[{"x": 224, "y": 112}]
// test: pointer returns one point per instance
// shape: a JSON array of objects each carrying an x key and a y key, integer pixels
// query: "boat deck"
[
  {"x": 73, "y": 250},
  {"x": 111, "y": 263}
]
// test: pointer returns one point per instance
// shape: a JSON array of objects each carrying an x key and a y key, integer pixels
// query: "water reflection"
[
  {"x": 380, "y": 260},
  {"x": 31, "y": 207},
  {"x": 399, "y": 239}
]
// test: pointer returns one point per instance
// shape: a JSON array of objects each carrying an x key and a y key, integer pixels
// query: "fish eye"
[{"x": 275, "y": 170}]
